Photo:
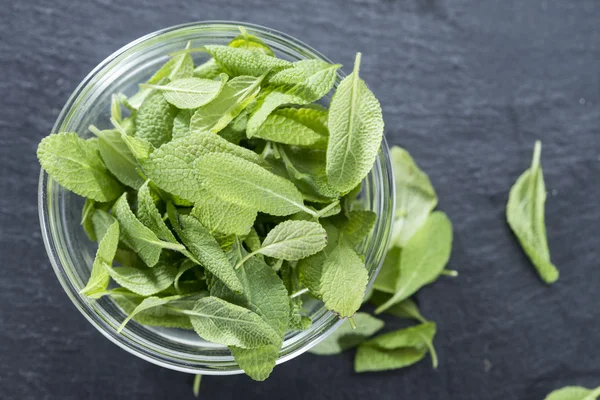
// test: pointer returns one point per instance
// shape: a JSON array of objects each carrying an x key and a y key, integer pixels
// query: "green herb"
[
  {"x": 422, "y": 259},
  {"x": 415, "y": 197},
  {"x": 181, "y": 124},
  {"x": 292, "y": 240},
  {"x": 196, "y": 388},
  {"x": 146, "y": 304},
  {"x": 355, "y": 132},
  {"x": 345, "y": 337},
  {"x": 189, "y": 93},
  {"x": 240, "y": 61},
  {"x": 574, "y": 393},
  {"x": 154, "y": 119},
  {"x": 405, "y": 309},
  {"x": 396, "y": 349},
  {"x": 99, "y": 277},
  {"x": 525, "y": 215},
  {"x": 145, "y": 282},
  {"x": 76, "y": 165},
  {"x": 250, "y": 42},
  {"x": 299, "y": 127},
  {"x": 220, "y": 216}
]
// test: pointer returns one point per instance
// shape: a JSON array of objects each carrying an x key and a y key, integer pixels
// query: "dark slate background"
[{"x": 465, "y": 85}]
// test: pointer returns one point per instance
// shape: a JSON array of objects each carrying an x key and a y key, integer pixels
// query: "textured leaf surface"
[
  {"x": 345, "y": 337},
  {"x": 146, "y": 304},
  {"x": 219, "y": 321},
  {"x": 358, "y": 225},
  {"x": 241, "y": 61},
  {"x": 139, "y": 237},
  {"x": 415, "y": 197},
  {"x": 181, "y": 124},
  {"x": 293, "y": 240},
  {"x": 307, "y": 81},
  {"x": 171, "y": 166},
  {"x": 76, "y": 165},
  {"x": 189, "y": 93},
  {"x": 396, "y": 349},
  {"x": 218, "y": 215},
  {"x": 355, "y": 132},
  {"x": 208, "y": 70},
  {"x": 205, "y": 248},
  {"x": 247, "y": 184},
  {"x": 154, "y": 119},
  {"x": 525, "y": 215},
  {"x": 143, "y": 281},
  {"x": 99, "y": 277},
  {"x": 423, "y": 258},
  {"x": 235, "y": 97},
  {"x": 250, "y": 42},
  {"x": 118, "y": 158},
  {"x": 298, "y": 127}
]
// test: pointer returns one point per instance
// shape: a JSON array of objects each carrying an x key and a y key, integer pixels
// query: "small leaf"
[
  {"x": 389, "y": 272},
  {"x": 180, "y": 66},
  {"x": 140, "y": 238},
  {"x": 423, "y": 259},
  {"x": 345, "y": 337},
  {"x": 105, "y": 254},
  {"x": 189, "y": 93},
  {"x": 235, "y": 97},
  {"x": 219, "y": 321},
  {"x": 204, "y": 248},
  {"x": 295, "y": 127},
  {"x": 250, "y": 42},
  {"x": 118, "y": 157},
  {"x": 396, "y": 349},
  {"x": 76, "y": 165},
  {"x": 307, "y": 81},
  {"x": 102, "y": 221},
  {"x": 292, "y": 240},
  {"x": 405, "y": 309},
  {"x": 143, "y": 281},
  {"x": 181, "y": 124},
  {"x": 171, "y": 166},
  {"x": 86, "y": 219},
  {"x": 240, "y": 61},
  {"x": 146, "y": 304},
  {"x": 355, "y": 132},
  {"x": 574, "y": 393},
  {"x": 415, "y": 197},
  {"x": 525, "y": 215},
  {"x": 154, "y": 119},
  {"x": 208, "y": 70},
  {"x": 139, "y": 148},
  {"x": 247, "y": 184}
]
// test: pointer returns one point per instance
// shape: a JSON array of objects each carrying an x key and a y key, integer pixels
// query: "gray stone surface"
[{"x": 465, "y": 85}]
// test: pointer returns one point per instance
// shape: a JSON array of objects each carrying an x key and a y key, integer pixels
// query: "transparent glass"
[{"x": 71, "y": 252}]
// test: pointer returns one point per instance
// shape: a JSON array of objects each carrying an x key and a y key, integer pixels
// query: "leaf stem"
[
  {"x": 449, "y": 272},
  {"x": 299, "y": 293},
  {"x": 352, "y": 322},
  {"x": 246, "y": 258},
  {"x": 323, "y": 211},
  {"x": 357, "y": 64},
  {"x": 94, "y": 130},
  {"x": 196, "y": 388}
]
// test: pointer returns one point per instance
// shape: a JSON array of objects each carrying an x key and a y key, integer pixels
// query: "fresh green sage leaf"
[
  {"x": 220, "y": 216},
  {"x": 250, "y": 42},
  {"x": 242, "y": 61},
  {"x": 146, "y": 304},
  {"x": 105, "y": 254},
  {"x": 355, "y": 132},
  {"x": 143, "y": 281},
  {"x": 154, "y": 119},
  {"x": 181, "y": 124},
  {"x": 525, "y": 215},
  {"x": 405, "y": 309},
  {"x": 76, "y": 165},
  {"x": 295, "y": 127},
  {"x": 190, "y": 93}
]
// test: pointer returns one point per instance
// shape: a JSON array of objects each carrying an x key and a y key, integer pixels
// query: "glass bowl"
[{"x": 71, "y": 252}]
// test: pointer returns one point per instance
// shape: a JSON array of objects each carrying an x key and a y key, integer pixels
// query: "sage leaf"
[
  {"x": 405, "y": 309},
  {"x": 423, "y": 258},
  {"x": 298, "y": 127},
  {"x": 396, "y": 349},
  {"x": 204, "y": 248},
  {"x": 310, "y": 269},
  {"x": 355, "y": 132},
  {"x": 139, "y": 237},
  {"x": 105, "y": 254},
  {"x": 219, "y": 321},
  {"x": 154, "y": 119},
  {"x": 292, "y": 240},
  {"x": 344, "y": 280},
  {"x": 389, "y": 272},
  {"x": 208, "y": 70},
  {"x": 241, "y": 61},
  {"x": 358, "y": 225},
  {"x": 76, "y": 165},
  {"x": 146, "y": 304},
  {"x": 235, "y": 97},
  {"x": 305, "y": 82},
  {"x": 180, "y": 66},
  {"x": 247, "y": 184},
  {"x": 139, "y": 148},
  {"x": 118, "y": 157},
  {"x": 306, "y": 169},
  {"x": 190, "y": 93},
  {"x": 143, "y": 281},
  {"x": 219, "y": 216},
  {"x": 181, "y": 124},
  {"x": 171, "y": 166},
  {"x": 574, "y": 393},
  {"x": 525, "y": 215},
  {"x": 345, "y": 337},
  {"x": 250, "y": 42},
  {"x": 415, "y": 197}
]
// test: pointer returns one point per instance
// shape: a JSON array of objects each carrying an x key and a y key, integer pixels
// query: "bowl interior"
[{"x": 72, "y": 253}]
